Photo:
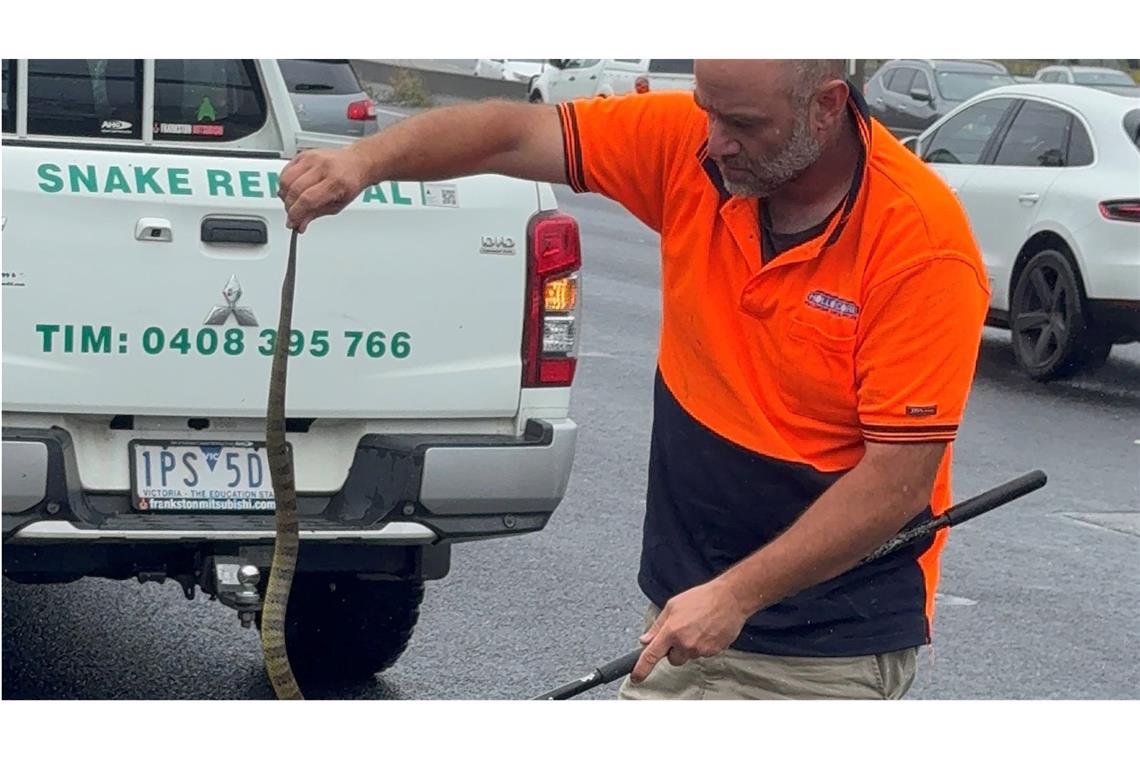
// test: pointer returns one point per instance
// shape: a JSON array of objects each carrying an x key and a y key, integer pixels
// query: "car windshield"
[
  {"x": 1103, "y": 77},
  {"x": 320, "y": 76},
  {"x": 963, "y": 85}
]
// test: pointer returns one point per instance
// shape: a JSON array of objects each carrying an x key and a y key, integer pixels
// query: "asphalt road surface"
[{"x": 1039, "y": 600}]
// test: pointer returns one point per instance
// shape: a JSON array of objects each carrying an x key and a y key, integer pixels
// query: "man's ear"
[{"x": 829, "y": 104}]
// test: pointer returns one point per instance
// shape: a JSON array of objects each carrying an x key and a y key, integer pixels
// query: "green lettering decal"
[
  {"x": 273, "y": 180},
  {"x": 374, "y": 193},
  {"x": 116, "y": 181},
  {"x": 144, "y": 181},
  {"x": 179, "y": 181},
  {"x": 96, "y": 342},
  {"x": 52, "y": 183},
  {"x": 47, "y": 331},
  {"x": 250, "y": 185},
  {"x": 85, "y": 175},
  {"x": 398, "y": 199},
  {"x": 220, "y": 179}
]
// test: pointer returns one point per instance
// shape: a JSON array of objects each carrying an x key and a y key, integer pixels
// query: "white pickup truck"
[
  {"x": 571, "y": 78},
  {"x": 436, "y": 330}
]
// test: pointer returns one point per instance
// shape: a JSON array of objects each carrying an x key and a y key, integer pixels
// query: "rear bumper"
[
  {"x": 1120, "y": 318},
  {"x": 401, "y": 490}
]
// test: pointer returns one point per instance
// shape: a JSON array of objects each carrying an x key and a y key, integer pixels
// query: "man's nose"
[{"x": 721, "y": 145}]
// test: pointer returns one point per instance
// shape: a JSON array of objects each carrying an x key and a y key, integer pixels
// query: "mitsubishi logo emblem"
[{"x": 220, "y": 314}]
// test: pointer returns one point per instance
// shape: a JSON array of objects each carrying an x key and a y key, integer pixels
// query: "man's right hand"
[{"x": 320, "y": 183}]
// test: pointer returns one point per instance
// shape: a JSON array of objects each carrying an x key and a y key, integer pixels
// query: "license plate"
[{"x": 200, "y": 476}]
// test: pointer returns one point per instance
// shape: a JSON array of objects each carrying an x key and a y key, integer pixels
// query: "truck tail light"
[
  {"x": 641, "y": 84},
  {"x": 361, "y": 110},
  {"x": 553, "y": 302},
  {"x": 1127, "y": 210}
]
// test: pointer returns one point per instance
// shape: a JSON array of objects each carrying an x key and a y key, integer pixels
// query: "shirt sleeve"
[
  {"x": 626, "y": 147},
  {"x": 919, "y": 336}
]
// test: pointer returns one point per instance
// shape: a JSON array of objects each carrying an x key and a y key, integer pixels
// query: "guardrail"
[{"x": 444, "y": 82}]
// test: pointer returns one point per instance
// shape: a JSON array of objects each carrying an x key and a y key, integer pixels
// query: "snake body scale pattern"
[{"x": 287, "y": 537}]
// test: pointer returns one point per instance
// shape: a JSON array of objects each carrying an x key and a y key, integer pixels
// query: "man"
[{"x": 823, "y": 303}]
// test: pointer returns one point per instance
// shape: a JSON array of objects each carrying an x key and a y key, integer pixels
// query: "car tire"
[
  {"x": 535, "y": 96},
  {"x": 341, "y": 629},
  {"x": 1052, "y": 337}
]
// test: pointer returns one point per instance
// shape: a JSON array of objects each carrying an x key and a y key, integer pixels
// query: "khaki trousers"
[{"x": 733, "y": 674}]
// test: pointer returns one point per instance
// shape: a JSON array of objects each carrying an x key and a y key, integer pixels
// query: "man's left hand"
[{"x": 697, "y": 623}]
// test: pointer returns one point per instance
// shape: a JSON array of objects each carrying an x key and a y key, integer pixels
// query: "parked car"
[
  {"x": 909, "y": 95},
  {"x": 571, "y": 78},
  {"x": 428, "y": 397},
  {"x": 1090, "y": 76},
  {"x": 1049, "y": 175},
  {"x": 666, "y": 74},
  {"x": 510, "y": 69},
  {"x": 328, "y": 97}
]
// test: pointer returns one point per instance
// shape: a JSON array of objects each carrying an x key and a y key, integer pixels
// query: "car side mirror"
[
  {"x": 911, "y": 144},
  {"x": 558, "y": 63},
  {"x": 921, "y": 94}
]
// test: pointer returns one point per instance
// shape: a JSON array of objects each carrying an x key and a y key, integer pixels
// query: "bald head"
[
  {"x": 769, "y": 120},
  {"x": 793, "y": 78}
]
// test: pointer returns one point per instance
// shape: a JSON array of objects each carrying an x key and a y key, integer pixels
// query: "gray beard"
[{"x": 771, "y": 174}]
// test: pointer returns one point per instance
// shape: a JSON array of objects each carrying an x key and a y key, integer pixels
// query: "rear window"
[
  {"x": 85, "y": 97},
  {"x": 963, "y": 85},
  {"x": 902, "y": 80},
  {"x": 1132, "y": 126},
  {"x": 328, "y": 77},
  {"x": 1080, "y": 146},
  {"x": 671, "y": 66},
  {"x": 9, "y": 124},
  {"x": 208, "y": 100}
]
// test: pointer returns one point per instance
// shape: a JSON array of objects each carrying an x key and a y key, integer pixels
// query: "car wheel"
[
  {"x": 341, "y": 629},
  {"x": 535, "y": 96},
  {"x": 1051, "y": 334}
]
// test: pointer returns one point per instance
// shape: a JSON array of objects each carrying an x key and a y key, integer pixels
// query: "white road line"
[
  {"x": 386, "y": 112},
  {"x": 955, "y": 601}
]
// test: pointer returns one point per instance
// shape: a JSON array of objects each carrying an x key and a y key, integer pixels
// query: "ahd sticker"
[{"x": 115, "y": 127}]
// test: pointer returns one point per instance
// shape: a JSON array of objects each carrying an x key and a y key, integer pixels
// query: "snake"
[{"x": 286, "y": 539}]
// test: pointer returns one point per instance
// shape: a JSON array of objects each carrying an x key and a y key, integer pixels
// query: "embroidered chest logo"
[{"x": 832, "y": 304}]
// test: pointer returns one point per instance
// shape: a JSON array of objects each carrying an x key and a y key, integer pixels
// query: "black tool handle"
[
  {"x": 960, "y": 513},
  {"x": 956, "y": 515},
  {"x": 995, "y": 497},
  {"x": 611, "y": 671},
  {"x": 619, "y": 668}
]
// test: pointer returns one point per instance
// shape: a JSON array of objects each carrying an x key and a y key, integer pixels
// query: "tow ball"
[{"x": 235, "y": 585}]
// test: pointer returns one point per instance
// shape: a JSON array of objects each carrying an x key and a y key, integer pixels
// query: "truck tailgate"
[{"x": 408, "y": 304}]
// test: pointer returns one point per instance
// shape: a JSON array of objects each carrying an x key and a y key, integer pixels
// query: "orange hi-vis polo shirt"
[{"x": 772, "y": 376}]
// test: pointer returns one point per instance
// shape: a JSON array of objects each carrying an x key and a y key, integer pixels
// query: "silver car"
[{"x": 328, "y": 97}]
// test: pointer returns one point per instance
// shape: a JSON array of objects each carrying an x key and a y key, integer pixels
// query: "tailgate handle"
[{"x": 242, "y": 231}]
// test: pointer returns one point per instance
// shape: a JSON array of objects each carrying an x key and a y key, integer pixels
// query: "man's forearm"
[
  {"x": 851, "y": 519},
  {"x": 455, "y": 141}
]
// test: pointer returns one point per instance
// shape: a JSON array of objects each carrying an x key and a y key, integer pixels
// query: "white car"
[
  {"x": 1049, "y": 175},
  {"x": 434, "y": 338},
  {"x": 510, "y": 69},
  {"x": 1089, "y": 76},
  {"x": 572, "y": 78}
]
